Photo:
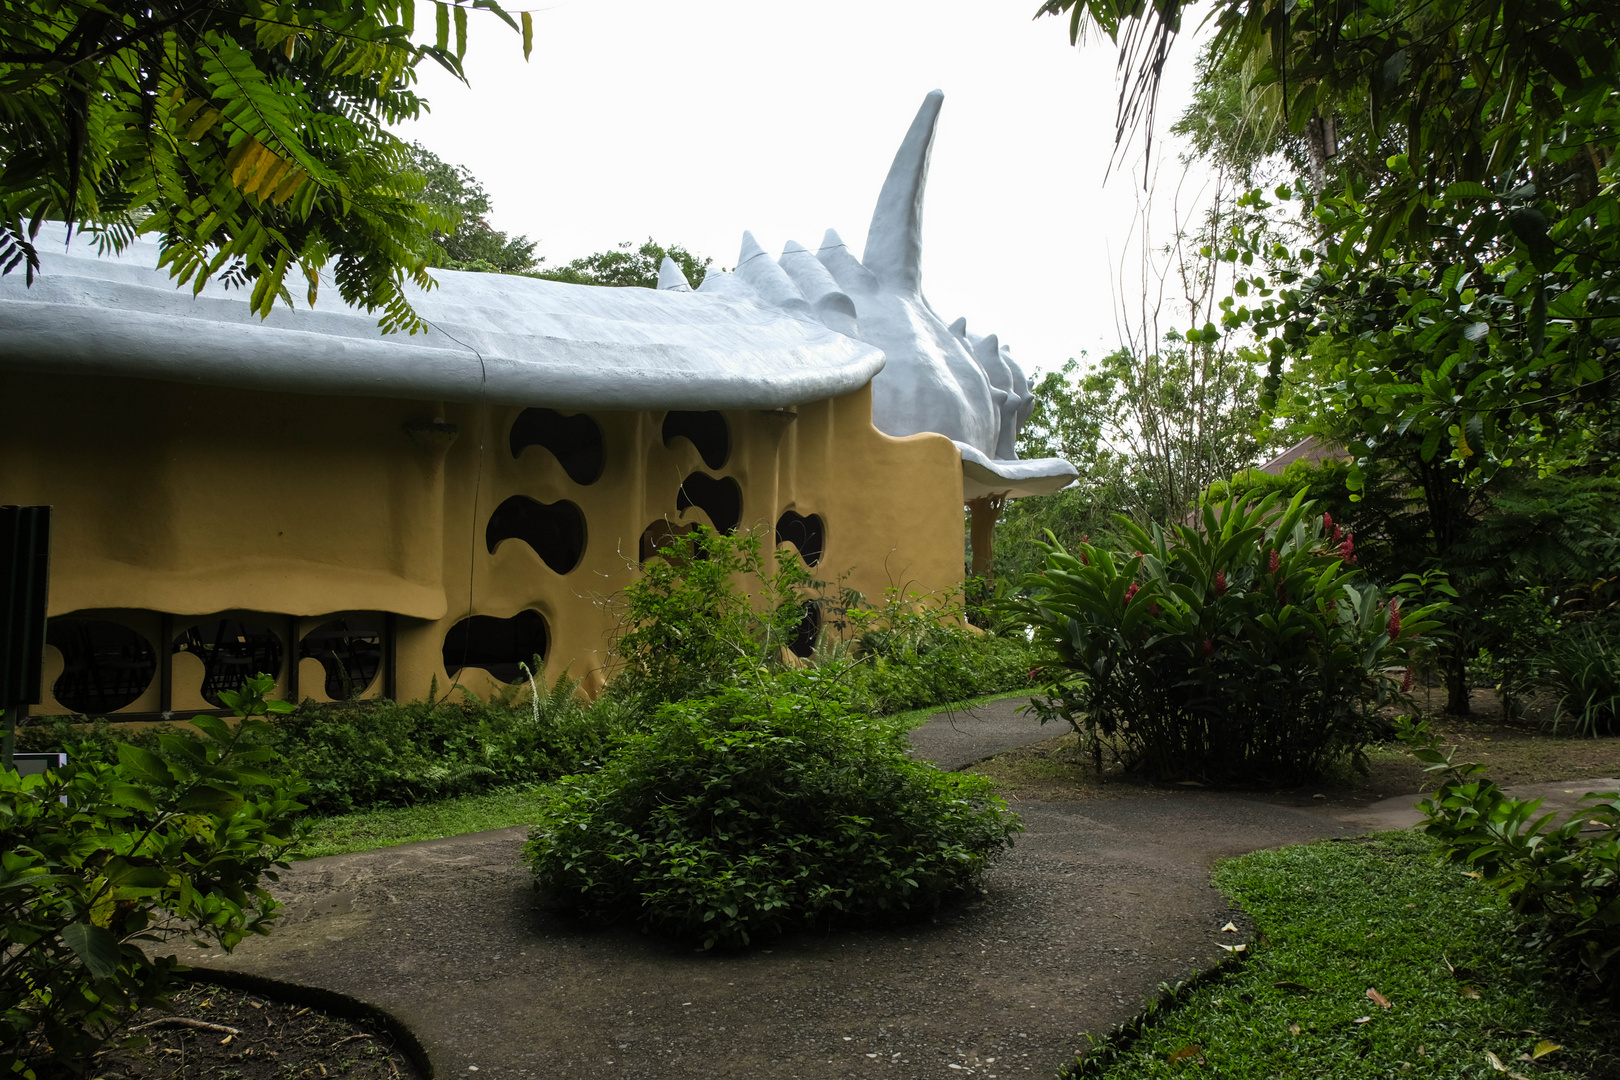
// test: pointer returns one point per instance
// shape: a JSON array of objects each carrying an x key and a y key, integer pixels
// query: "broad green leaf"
[{"x": 95, "y": 946}]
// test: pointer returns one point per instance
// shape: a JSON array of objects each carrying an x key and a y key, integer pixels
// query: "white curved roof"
[{"x": 503, "y": 339}]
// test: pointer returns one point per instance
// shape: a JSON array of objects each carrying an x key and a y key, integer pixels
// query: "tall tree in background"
[
  {"x": 627, "y": 266},
  {"x": 251, "y": 138},
  {"x": 470, "y": 242}
]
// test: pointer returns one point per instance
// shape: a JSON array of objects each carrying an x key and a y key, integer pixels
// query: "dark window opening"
[
  {"x": 556, "y": 531},
  {"x": 575, "y": 441},
  {"x": 719, "y": 497},
  {"x": 807, "y": 633},
  {"x": 708, "y": 431},
  {"x": 106, "y": 666},
  {"x": 805, "y": 533},
  {"x": 663, "y": 536},
  {"x": 232, "y": 651},
  {"x": 497, "y": 646},
  {"x": 350, "y": 651}
]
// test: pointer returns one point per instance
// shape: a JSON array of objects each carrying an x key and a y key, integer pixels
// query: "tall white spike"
[
  {"x": 894, "y": 241},
  {"x": 959, "y": 328},
  {"x": 671, "y": 278}
]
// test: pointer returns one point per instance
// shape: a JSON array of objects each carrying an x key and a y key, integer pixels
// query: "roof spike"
[
  {"x": 845, "y": 268},
  {"x": 671, "y": 278},
  {"x": 894, "y": 240}
]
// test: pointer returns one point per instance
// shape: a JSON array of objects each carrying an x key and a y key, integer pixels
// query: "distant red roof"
[{"x": 1310, "y": 449}]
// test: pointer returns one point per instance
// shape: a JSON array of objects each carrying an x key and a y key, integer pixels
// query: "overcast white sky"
[{"x": 692, "y": 122}]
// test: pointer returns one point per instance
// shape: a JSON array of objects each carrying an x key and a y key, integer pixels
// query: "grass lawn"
[
  {"x": 388, "y": 826},
  {"x": 1341, "y": 920}
]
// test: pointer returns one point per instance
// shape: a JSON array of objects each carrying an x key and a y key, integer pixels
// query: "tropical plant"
[
  {"x": 1566, "y": 877},
  {"x": 761, "y": 810},
  {"x": 1243, "y": 649},
  {"x": 252, "y": 139},
  {"x": 101, "y": 862}
]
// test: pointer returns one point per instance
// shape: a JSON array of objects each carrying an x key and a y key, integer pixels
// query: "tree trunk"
[
  {"x": 1453, "y": 669},
  {"x": 983, "y": 534}
]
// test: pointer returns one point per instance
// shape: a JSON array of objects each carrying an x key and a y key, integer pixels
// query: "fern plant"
[{"x": 251, "y": 138}]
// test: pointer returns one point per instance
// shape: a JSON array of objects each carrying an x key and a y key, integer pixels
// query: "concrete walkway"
[{"x": 1100, "y": 901}]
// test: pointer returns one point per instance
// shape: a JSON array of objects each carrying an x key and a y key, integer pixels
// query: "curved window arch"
[
  {"x": 556, "y": 531},
  {"x": 106, "y": 665},
  {"x": 349, "y": 651},
  {"x": 718, "y": 496},
  {"x": 807, "y": 533},
  {"x": 232, "y": 651},
  {"x": 708, "y": 431}
]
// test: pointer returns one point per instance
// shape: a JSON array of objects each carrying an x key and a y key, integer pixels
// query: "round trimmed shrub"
[{"x": 763, "y": 810}]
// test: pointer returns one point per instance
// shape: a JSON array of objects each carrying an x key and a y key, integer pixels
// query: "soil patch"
[{"x": 225, "y": 1034}]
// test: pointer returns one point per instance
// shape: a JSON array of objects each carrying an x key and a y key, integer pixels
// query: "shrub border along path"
[{"x": 1101, "y": 900}]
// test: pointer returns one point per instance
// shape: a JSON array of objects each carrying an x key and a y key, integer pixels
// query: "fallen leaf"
[
  {"x": 1293, "y": 1029},
  {"x": 1496, "y": 1062},
  {"x": 226, "y": 1040},
  {"x": 1470, "y": 992},
  {"x": 1376, "y": 998},
  {"x": 1472, "y": 874},
  {"x": 1229, "y": 928},
  {"x": 1234, "y": 948},
  {"x": 1543, "y": 1048},
  {"x": 1190, "y": 1050},
  {"x": 1301, "y": 987},
  {"x": 1362, "y": 1020}
]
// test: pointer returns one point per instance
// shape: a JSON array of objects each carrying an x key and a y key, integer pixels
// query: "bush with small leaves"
[
  {"x": 764, "y": 809},
  {"x": 101, "y": 862}
]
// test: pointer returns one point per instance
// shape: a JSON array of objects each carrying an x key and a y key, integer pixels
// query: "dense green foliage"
[
  {"x": 100, "y": 862},
  {"x": 625, "y": 266},
  {"x": 761, "y": 810},
  {"x": 714, "y": 608},
  {"x": 1340, "y": 919},
  {"x": 1566, "y": 879},
  {"x": 469, "y": 242},
  {"x": 357, "y": 755},
  {"x": 1244, "y": 650},
  {"x": 252, "y": 139}
]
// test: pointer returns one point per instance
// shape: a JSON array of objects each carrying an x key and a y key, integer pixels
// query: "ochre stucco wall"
[{"x": 193, "y": 500}]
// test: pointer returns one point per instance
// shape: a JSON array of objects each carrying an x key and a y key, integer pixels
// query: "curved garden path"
[{"x": 1101, "y": 900}]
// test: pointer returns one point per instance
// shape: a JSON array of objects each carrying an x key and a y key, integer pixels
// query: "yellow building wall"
[{"x": 196, "y": 501}]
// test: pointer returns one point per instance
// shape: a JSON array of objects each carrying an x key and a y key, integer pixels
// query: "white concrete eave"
[{"x": 503, "y": 339}]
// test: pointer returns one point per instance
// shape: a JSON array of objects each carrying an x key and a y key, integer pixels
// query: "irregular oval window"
[
  {"x": 556, "y": 531},
  {"x": 805, "y": 533},
  {"x": 719, "y": 497},
  {"x": 575, "y": 441},
  {"x": 349, "y": 651},
  {"x": 106, "y": 666},
  {"x": 497, "y": 645},
  {"x": 708, "y": 431},
  {"x": 232, "y": 651},
  {"x": 663, "y": 538},
  {"x": 807, "y": 633}
]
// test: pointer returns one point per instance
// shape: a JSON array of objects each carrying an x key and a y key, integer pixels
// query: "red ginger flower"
[
  {"x": 1209, "y": 647},
  {"x": 1347, "y": 550},
  {"x": 1406, "y": 681},
  {"x": 1220, "y": 583},
  {"x": 1130, "y": 592},
  {"x": 1275, "y": 561},
  {"x": 1327, "y": 522},
  {"x": 1153, "y": 608},
  {"x": 1395, "y": 618}
]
